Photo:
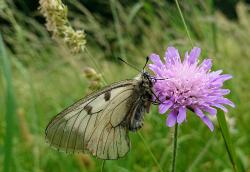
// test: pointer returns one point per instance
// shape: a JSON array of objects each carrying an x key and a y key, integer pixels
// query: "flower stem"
[{"x": 174, "y": 148}]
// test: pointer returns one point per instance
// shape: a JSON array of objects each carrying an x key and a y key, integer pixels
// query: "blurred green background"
[{"x": 46, "y": 78}]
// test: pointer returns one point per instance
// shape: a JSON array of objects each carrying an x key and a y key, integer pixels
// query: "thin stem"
[
  {"x": 174, "y": 148},
  {"x": 103, "y": 163},
  {"x": 98, "y": 67},
  {"x": 118, "y": 28},
  {"x": 227, "y": 140},
  {"x": 184, "y": 23},
  {"x": 214, "y": 28},
  {"x": 151, "y": 153}
]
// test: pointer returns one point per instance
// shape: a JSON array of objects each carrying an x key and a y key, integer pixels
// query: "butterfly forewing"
[{"x": 95, "y": 123}]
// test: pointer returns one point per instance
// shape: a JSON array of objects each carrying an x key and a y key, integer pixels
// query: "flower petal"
[
  {"x": 225, "y": 101},
  {"x": 155, "y": 69},
  {"x": 155, "y": 58},
  {"x": 186, "y": 57},
  {"x": 181, "y": 115},
  {"x": 165, "y": 106},
  {"x": 172, "y": 56},
  {"x": 171, "y": 120},
  {"x": 224, "y": 77},
  {"x": 215, "y": 74},
  {"x": 204, "y": 118},
  {"x": 206, "y": 65},
  {"x": 199, "y": 112},
  {"x": 210, "y": 110},
  {"x": 194, "y": 54},
  {"x": 224, "y": 91},
  {"x": 219, "y": 79},
  {"x": 221, "y": 107},
  {"x": 207, "y": 121}
]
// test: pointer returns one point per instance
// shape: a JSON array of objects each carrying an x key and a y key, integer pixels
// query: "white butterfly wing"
[{"x": 94, "y": 123}]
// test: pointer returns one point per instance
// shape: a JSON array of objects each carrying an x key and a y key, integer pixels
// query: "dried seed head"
[
  {"x": 89, "y": 72},
  {"x": 94, "y": 85},
  {"x": 93, "y": 77},
  {"x": 55, "y": 13}
]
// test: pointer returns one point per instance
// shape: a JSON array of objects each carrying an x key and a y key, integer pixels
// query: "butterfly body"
[
  {"x": 143, "y": 96},
  {"x": 99, "y": 123}
]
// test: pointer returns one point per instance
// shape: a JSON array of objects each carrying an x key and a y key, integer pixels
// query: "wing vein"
[{"x": 72, "y": 128}]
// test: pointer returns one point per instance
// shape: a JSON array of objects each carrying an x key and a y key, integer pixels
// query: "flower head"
[{"x": 188, "y": 85}]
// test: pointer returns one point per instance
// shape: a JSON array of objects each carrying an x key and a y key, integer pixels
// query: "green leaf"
[
  {"x": 10, "y": 106},
  {"x": 227, "y": 140}
]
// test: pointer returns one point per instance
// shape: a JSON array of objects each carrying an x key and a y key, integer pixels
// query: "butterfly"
[{"x": 99, "y": 123}]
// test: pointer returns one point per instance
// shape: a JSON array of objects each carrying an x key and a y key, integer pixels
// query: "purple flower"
[{"x": 188, "y": 85}]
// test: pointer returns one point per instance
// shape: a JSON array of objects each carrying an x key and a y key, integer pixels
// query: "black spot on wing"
[
  {"x": 88, "y": 109},
  {"x": 107, "y": 95}
]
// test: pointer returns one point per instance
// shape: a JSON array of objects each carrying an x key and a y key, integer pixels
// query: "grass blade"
[
  {"x": 201, "y": 155},
  {"x": 183, "y": 21},
  {"x": 227, "y": 140},
  {"x": 118, "y": 28},
  {"x": 150, "y": 152},
  {"x": 10, "y": 106}
]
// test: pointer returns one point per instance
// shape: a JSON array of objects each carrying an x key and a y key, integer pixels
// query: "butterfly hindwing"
[{"x": 95, "y": 123}]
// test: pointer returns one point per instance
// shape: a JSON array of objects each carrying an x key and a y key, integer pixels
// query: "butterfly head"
[{"x": 146, "y": 80}]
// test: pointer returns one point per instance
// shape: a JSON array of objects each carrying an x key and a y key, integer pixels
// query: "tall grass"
[{"x": 10, "y": 108}]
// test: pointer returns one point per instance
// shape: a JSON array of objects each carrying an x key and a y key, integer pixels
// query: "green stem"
[
  {"x": 103, "y": 163},
  {"x": 174, "y": 148},
  {"x": 183, "y": 20},
  {"x": 10, "y": 107},
  {"x": 118, "y": 28},
  {"x": 151, "y": 153},
  {"x": 214, "y": 27},
  {"x": 227, "y": 140},
  {"x": 96, "y": 65}
]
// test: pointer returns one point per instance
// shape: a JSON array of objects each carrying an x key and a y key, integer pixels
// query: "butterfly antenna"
[
  {"x": 147, "y": 59},
  {"x": 129, "y": 64},
  {"x": 159, "y": 78}
]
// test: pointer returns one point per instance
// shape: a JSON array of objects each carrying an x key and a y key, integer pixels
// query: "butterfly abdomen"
[
  {"x": 136, "y": 117},
  {"x": 137, "y": 121}
]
